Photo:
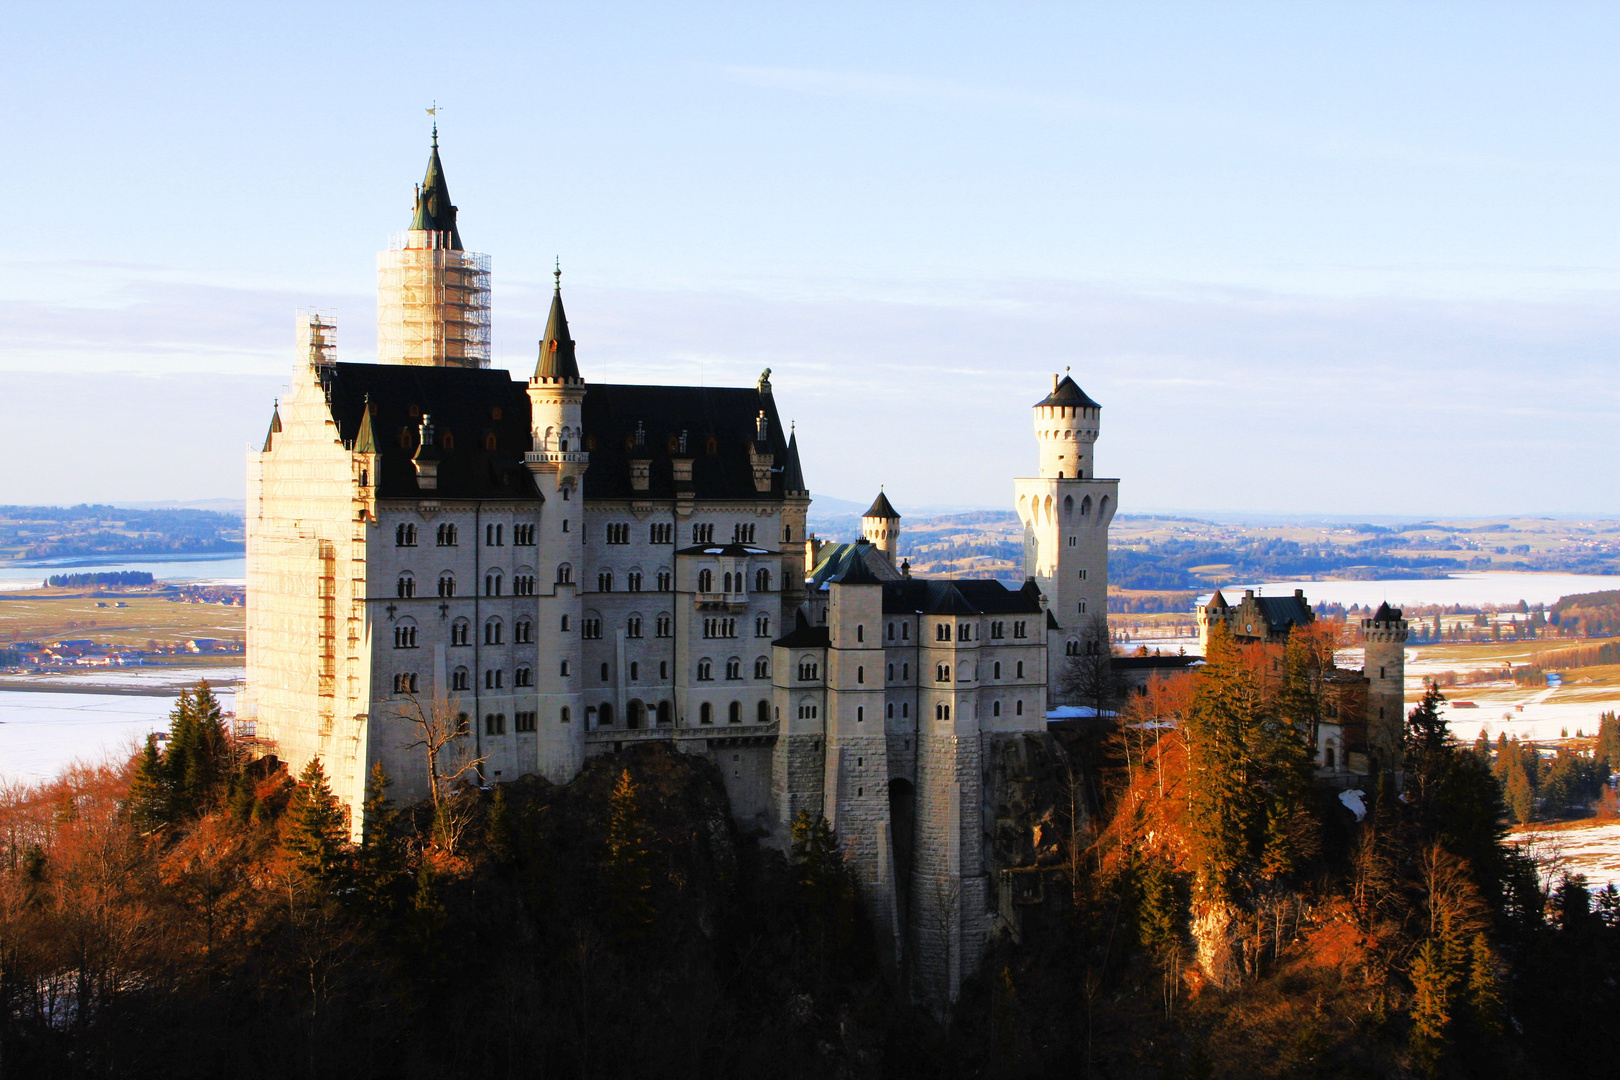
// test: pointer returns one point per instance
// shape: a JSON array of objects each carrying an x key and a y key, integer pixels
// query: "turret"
[
  {"x": 881, "y": 525},
  {"x": 1066, "y": 427}
]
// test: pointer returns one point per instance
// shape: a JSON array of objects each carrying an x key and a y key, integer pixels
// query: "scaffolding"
[{"x": 432, "y": 302}]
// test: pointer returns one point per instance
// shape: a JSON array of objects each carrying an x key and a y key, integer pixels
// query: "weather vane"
[
  {"x": 557, "y": 273},
  {"x": 434, "y": 112}
]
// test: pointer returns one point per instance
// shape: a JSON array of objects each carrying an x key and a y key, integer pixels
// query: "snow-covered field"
[
  {"x": 1497, "y": 587},
  {"x": 1593, "y": 851},
  {"x": 230, "y": 570},
  {"x": 43, "y": 731}
]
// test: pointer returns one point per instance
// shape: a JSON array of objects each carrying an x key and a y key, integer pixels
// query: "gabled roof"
[
  {"x": 557, "y": 347},
  {"x": 718, "y": 416},
  {"x": 1282, "y": 612},
  {"x": 805, "y": 636},
  {"x": 793, "y": 475},
  {"x": 433, "y": 211},
  {"x": 881, "y": 508},
  {"x": 1068, "y": 392},
  {"x": 837, "y": 560},
  {"x": 1385, "y": 613},
  {"x": 468, "y": 406}
]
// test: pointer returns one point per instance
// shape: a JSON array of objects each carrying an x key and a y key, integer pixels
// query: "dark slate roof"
[
  {"x": 462, "y": 402},
  {"x": 1386, "y": 613},
  {"x": 1051, "y": 622},
  {"x": 962, "y": 596},
  {"x": 1284, "y": 611},
  {"x": 434, "y": 211},
  {"x": 881, "y": 508},
  {"x": 557, "y": 347},
  {"x": 1068, "y": 392},
  {"x": 805, "y": 636},
  {"x": 724, "y": 414},
  {"x": 793, "y": 477}
]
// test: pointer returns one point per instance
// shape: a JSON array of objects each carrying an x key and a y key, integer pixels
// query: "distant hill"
[{"x": 33, "y": 533}]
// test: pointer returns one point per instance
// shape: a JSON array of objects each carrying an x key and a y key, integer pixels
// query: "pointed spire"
[
  {"x": 557, "y": 348},
  {"x": 882, "y": 508},
  {"x": 275, "y": 426},
  {"x": 365, "y": 441},
  {"x": 434, "y": 211},
  {"x": 793, "y": 475}
]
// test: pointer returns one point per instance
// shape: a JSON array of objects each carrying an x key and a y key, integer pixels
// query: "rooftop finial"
[
  {"x": 434, "y": 112},
  {"x": 556, "y": 273}
]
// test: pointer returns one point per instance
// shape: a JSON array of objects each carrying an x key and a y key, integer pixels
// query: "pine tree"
[
  {"x": 379, "y": 864},
  {"x": 626, "y": 863},
  {"x": 316, "y": 825},
  {"x": 1484, "y": 996},
  {"x": 498, "y": 835},
  {"x": 1432, "y": 984},
  {"x": 150, "y": 804}
]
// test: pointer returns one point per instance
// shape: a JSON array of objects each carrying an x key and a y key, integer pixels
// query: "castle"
[
  {"x": 548, "y": 569},
  {"x": 1361, "y": 734}
]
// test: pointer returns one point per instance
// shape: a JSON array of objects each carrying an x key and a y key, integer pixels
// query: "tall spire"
[
  {"x": 434, "y": 211},
  {"x": 793, "y": 474},
  {"x": 557, "y": 347}
]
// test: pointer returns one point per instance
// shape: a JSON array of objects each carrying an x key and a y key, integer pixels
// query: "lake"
[{"x": 214, "y": 570}]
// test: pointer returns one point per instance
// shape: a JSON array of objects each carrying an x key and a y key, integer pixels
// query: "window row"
[
  {"x": 446, "y": 535},
  {"x": 733, "y": 669},
  {"x": 734, "y": 713},
  {"x": 733, "y": 583}
]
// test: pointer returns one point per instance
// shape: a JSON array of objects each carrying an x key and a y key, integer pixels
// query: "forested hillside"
[{"x": 198, "y": 914}]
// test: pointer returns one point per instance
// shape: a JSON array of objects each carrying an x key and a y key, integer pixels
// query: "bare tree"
[
  {"x": 1089, "y": 678},
  {"x": 441, "y": 735},
  {"x": 943, "y": 902}
]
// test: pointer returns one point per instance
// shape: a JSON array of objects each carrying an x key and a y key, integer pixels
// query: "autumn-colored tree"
[{"x": 1432, "y": 986}]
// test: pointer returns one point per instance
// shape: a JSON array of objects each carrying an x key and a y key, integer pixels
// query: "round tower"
[
  {"x": 558, "y": 462},
  {"x": 1066, "y": 422},
  {"x": 1384, "y": 642},
  {"x": 881, "y": 525}
]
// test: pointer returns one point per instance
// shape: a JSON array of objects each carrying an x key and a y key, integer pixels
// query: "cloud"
[{"x": 1213, "y": 397}]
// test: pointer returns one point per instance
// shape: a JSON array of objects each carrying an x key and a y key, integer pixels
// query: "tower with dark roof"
[
  {"x": 881, "y": 525},
  {"x": 1065, "y": 511},
  {"x": 432, "y": 295}
]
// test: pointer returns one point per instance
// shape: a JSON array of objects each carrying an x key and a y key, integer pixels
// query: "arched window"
[
  {"x": 405, "y": 634},
  {"x": 447, "y": 584},
  {"x": 523, "y": 676},
  {"x": 705, "y": 581},
  {"x": 942, "y": 673},
  {"x": 734, "y": 713},
  {"x": 565, "y": 574},
  {"x": 705, "y": 713},
  {"x": 889, "y": 674},
  {"x": 1020, "y": 669},
  {"x": 461, "y": 632},
  {"x": 492, "y": 632},
  {"x": 1085, "y": 506},
  {"x": 492, "y": 583},
  {"x": 762, "y": 668},
  {"x": 665, "y": 712},
  {"x": 734, "y": 668},
  {"x": 406, "y": 585},
  {"x": 995, "y": 708},
  {"x": 705, "y": 670},
  {"x": 762, "y": 713},
  {"x": 604, "y": 581},
  {"x": 1068, "y": 505},
  {"x": 489, "y": 441},
  {"x": 762, "y": 580},
  {"x": 1071, "y": 648},
  {"x": 997, "y": 669},
  {"x": 1019, "y": 708},
  {"x": 632, "y": 626},
  {"x": 523, "y": 632},
  {"x": 860, "y": 714},
  {"x": 405, "y": 535},
  {"x": 728, "y": 583},
  {"x": 860, "y": 632},
  {"x": 460, "y": 678},
  {"x": 566, "y": 716},
  {"x": 604, "y": 714},
  {"x": 605, "y": 675},
  {"x": 447, "y": 535},
  {"x": 860, "y": 674}
]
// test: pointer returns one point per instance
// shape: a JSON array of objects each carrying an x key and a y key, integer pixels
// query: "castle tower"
[
  {"x": 432, "y": 296},
  {"x": 558, "y": 462},
  {"x": 881, "y": 525},
  {"x": 1384, "y": 639},
  {"x": 1065, "y": 512},
  {"x": 795, "y": 529}
]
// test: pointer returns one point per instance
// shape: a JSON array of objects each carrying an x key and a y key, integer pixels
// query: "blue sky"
[{"x": 1315, "y": 258}]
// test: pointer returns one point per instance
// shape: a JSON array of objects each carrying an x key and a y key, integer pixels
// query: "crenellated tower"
[
  {"x": 558, "y": 461},
  {"x": 432, "y": 296},
  {"x": 1384, "y": 642},
  {"x": 1065, "y": 512}
]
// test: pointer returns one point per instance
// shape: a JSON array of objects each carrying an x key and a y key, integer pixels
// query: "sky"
[{"x": 1326, "y": 258}]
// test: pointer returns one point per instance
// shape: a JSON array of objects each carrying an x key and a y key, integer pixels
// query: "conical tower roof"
[
  {"x": 881, "y": 508},
  {"x": 557, "y": 347},
  {"x": 1068, "y": 392},
  {"x": 434, "y": 211},
  {"x": 792, "y": 474}
]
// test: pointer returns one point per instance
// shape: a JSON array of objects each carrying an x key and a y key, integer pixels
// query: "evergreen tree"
[
  {"x": 498, "y": 834},
  {"x": 626, "y": 862},
  {"x": 1484, "y": 996},
  {"x": 316, "y": 831},
  {"x": 150, "y": 805},
  {"x": 379, "y": 864},
  {"x": 1432, "y": 985}
]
